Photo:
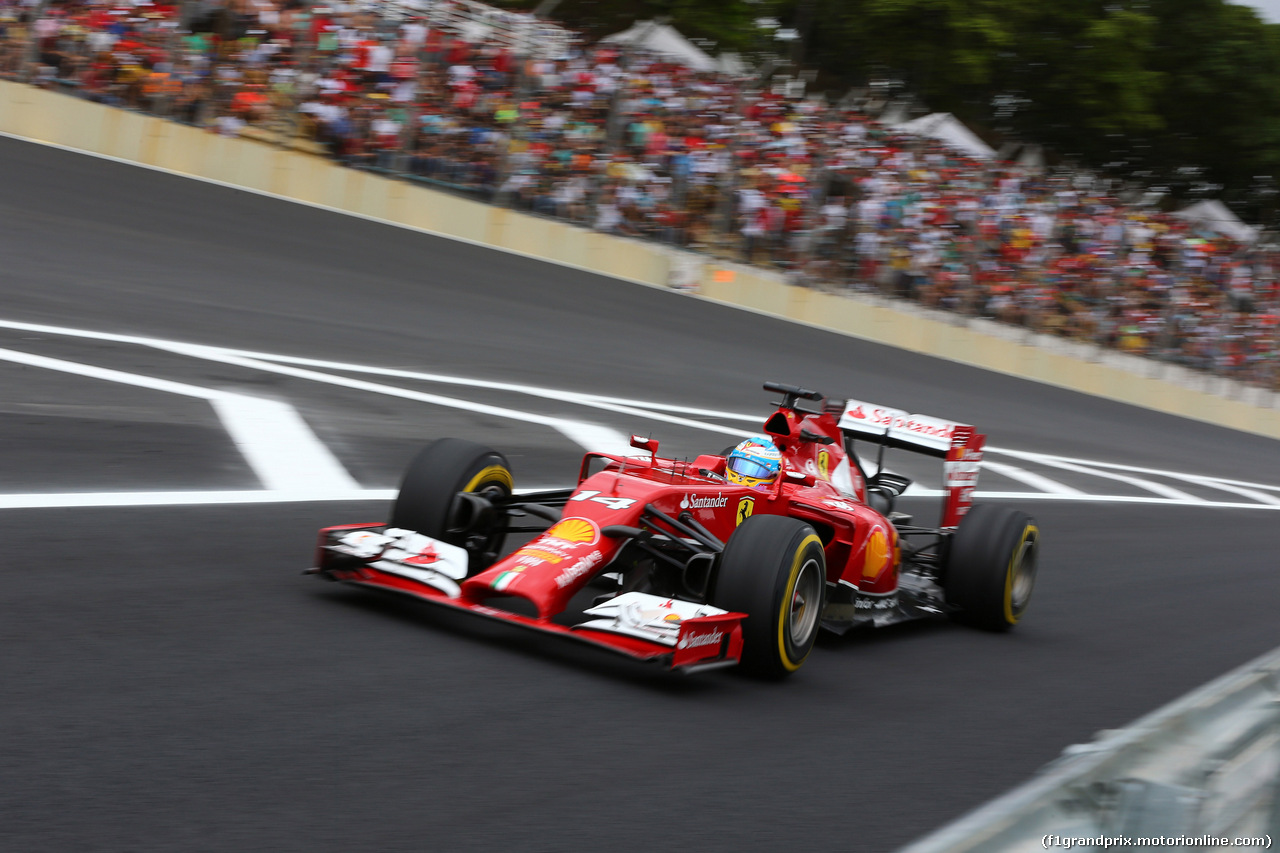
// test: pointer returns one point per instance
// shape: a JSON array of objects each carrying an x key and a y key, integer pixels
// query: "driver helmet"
[{"x": 755, "y": 463}]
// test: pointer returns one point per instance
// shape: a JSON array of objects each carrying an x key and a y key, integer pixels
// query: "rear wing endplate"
[{"x": 960, "y": 445}]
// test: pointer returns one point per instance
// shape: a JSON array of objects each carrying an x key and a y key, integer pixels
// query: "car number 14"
[{"x": 611, "y": 503}]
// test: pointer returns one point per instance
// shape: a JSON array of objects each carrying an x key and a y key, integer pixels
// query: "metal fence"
[
  {"x": 1204, "y": 769},
  {"x": 478, "y": 23}
]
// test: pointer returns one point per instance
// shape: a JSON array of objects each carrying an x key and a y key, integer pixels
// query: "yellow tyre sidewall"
[
  {"x": 784, "y": 608},
  {"x": 493, "y": 474},
  {"x": 1031, "y": 532}
]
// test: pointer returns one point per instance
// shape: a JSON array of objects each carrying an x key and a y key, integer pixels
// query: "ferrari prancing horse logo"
[
  {"x": 824, "y": 464},
  {"x": 745, "y": 508}
]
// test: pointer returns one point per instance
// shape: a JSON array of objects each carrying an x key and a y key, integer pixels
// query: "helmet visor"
[{"x": 751, "y": 468}]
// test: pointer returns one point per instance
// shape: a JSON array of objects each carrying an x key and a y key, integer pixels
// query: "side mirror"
[
  {"x": 802, "y": 478},
  {"x": 649, "y": 444}
]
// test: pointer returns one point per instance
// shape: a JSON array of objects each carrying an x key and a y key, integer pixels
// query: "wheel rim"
[
  {"x": 806, "y": 602},
  {"x": 1024, "y": 575}
]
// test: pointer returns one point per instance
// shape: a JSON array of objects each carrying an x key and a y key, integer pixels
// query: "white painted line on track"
[
  {"x": 595, "y": 400},
  {"x": 68, "y": 332},
  {"x": 275, "y": 457},
  {"x": 1116, "y": 466},
  {"x": 1102, "y": 499},
  {"x": 1260, "y": 497},
  {"x": 260, "y": 496},
  {"x": 599, "y": 437},
  {"x": 214, "y": 353},
  {"x": 183, "y": 498},
  {"x": 609, "y": 404},
  {"x": 107, "y": 375},
  {"x": 1148, "y": 485},
  {"x": 278, "y": 445},
  {"x": 1030, "y": 478}
]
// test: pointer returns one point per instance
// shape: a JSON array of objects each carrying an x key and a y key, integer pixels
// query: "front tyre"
[
  {"x": 431, "y": 484},
  {"x": 773, "y": 569},
  {"x": 991, "y": 567}
]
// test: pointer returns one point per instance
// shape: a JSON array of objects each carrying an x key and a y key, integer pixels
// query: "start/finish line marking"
[
  {"x": 278, "y": 445},
  {"x": 294, "y": 465}
]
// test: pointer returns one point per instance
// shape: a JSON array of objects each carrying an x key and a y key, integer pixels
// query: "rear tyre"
[
  {"x": 430, "y": 487},
  {"x": 991, "y": 567},
  {"x": 773, "y": 569}
]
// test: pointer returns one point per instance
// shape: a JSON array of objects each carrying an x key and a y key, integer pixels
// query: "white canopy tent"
[
  {"x": 948, "y": 130},
  {"x": 732, "y": 64},
  {"x": 1218, "y": 217},
  {"x": 665, "y": 41}
]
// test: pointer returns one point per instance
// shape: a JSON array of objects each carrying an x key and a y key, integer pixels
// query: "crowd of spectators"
[{"x": 638, "y": 145}]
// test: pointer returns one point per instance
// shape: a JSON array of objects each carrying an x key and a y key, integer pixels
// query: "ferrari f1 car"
[{"x": 695, "y": 571}]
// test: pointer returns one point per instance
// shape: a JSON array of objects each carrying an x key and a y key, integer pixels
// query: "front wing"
[{"x": 679, "y": 635}]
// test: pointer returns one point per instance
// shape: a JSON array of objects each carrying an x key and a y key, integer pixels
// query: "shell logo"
[
  {"x": 876, "y": 554},
  {"x": 575, "y": 530}
]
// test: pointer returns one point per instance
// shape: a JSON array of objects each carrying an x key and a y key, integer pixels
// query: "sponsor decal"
[
  {"x": 562, "y": 541},
  {"x": 654, "y": 616},
  {"x": 610, "y": 502},
  {"x": 925, "y": 426},
  {"x": 844, "y": 506},
  {"x": 425, "y": 557},
  {"x": 535, "y": 556},
  {"x": 504, "y": 579},
  {"x": 760, "y": 444},
  {"x": 694, "y": 641},
  {"x": 876, "y": 554},
  {"x": 876, "y": 605},
  {"x": 746, "y": 506},
  {"x": 365, "y": 543},
  {"x": 858, "y": 415},
  {"x": 963, "y": 471},
  {"x": 873, "y": 414},
  {"x": 824, "y": 464},
  {"x": 691, "y": 502},
  {"x": 574, "y": 531},
  {"x": 579, "y": 569},
  {"x": 663, "y": 614}
]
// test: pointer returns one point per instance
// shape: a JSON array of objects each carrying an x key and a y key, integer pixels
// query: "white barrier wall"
[{"x": 62, "y": 120}]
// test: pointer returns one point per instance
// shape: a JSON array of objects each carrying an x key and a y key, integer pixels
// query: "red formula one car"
[{"x": 694, "y": 569}]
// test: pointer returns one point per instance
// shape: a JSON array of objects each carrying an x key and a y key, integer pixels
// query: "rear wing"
[{"x": 960, "y": 445}]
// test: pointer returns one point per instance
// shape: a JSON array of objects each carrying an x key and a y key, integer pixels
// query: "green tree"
[
  {"x": 1078, "y": 76},
  {"x": 1221, "y": 95}
]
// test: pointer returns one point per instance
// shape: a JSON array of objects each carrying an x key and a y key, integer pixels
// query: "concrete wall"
[{"x": 47, "y": 117}]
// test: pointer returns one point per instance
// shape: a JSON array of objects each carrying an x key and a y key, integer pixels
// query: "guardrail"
[{"x": 1204, "y": 769}]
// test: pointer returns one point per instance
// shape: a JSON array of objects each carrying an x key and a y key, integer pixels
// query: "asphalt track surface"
[{"x": 171, "y": 682}]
